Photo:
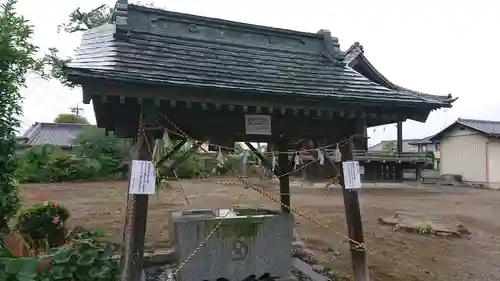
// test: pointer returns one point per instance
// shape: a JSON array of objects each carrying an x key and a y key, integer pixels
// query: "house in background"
[
  {"x": 413, "y": 146},
  {"x": 57, "y": 134},
  {"x": 471, "y": 148},
  {"x": 381, "y": 146},
  {"x": 426, "y": 144}
]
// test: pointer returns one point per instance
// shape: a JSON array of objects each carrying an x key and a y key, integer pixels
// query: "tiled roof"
[
  {"x": 426, "y": 140},
  {"x": 58, "y": 134},
  {"x": 355, "y": 54},
  {"x": 489, "y": 128},
  {"x": 406, "y": 145},
  {"x": 161, "y": 47}
]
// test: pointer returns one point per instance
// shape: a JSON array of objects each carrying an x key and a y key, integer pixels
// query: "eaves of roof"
[{"x": 355, "y": 55}]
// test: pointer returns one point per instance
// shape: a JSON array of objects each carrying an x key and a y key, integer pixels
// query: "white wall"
[
  {"x": 463, "y": 152},
  {"x": 494, "y": 163}
]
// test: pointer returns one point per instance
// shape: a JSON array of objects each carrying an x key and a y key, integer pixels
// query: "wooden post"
[
  {"x": 137, "y": 204},
  {"x": 399, "y": 149},
  {"x": 354, "y": 222},
  {"x": 418, "y": 173},
  {"x": 284, "y": 167},
  {"x": 136, "y": 220}
]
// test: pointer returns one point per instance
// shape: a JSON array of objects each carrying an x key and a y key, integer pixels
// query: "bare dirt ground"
[{"x": 393, "y": 256}]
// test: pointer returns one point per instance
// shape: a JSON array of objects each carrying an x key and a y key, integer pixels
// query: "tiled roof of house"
[
  {"x": 488, "y": 128},
  {"x": 406, "y": 145},
  {"x": 426, "y": 140},
  {"x": 355, "y": 54},
  {"x": 59, "y": 134},
  {"x": 159, "y": 47}
]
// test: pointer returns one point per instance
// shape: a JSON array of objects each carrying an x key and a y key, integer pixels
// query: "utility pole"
[{"x": 76, "y": 110}]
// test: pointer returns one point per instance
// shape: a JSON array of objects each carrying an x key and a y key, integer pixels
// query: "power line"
[{"x": 77, "y": 109}]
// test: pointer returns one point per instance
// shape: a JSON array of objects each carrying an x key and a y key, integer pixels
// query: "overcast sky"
[{"x": 436, "y": 47}]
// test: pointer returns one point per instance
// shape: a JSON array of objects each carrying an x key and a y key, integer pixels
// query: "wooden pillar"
[
  {"x": 268, "y": 172},
  {"x": 418, "y": 172},
  {"x": 354, "y": 222},
  {"x": 378, "y": 171},
  {"x": 365, "y": 139},
  {"x": 399, "y": 147},
  {"x": 284, "y": 167},
  {"x": 393, "y": 171},
  {"x": 137, "y": 204}
]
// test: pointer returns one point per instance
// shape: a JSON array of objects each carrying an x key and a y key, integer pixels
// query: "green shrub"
[
  {"x": 43, "y": 225},
  {"x": 108, "y": 151},
  {"x": 82, "y": 260},
  {"x": 48, "y": 163},
  {"x": 9, "y": 199},
  {"x": 190, "y": 168}
]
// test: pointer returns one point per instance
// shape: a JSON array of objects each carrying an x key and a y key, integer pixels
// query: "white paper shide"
[
  {"x": 352, "y": 175},
  {"x": 142, "y": 178},
  {"x": 257, "y": 124}
]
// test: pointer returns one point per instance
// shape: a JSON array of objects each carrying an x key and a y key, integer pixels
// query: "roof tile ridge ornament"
[
  {"x": 356, "y": 47},
  {"x": 121, "y": 13},
  {"x": 332, "y": 47}
]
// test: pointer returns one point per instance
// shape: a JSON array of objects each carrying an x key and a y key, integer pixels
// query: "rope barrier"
[
  {"x": 359, "y": 246},
  {"x": 182, "y": 134}
]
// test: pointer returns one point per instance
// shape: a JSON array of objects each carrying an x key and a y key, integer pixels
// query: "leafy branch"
[
  {"x": 17, "y": 59},
  {"x": 83, "y": 21},
  {"x": 78, "y": 21}
]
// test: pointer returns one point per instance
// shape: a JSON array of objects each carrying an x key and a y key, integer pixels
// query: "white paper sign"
[
  {"x": 256, "y": 124},
  {"x": 352, "y": 177},
  {"x": 142, "y": 178}
]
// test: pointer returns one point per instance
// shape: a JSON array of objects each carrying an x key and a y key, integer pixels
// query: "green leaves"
[
  {"x": 63, "y": 255},
  {"x": 43, "y": 225},
  {"x": 67, "y": 118},
  {"x": 93, "y": 159},
  {"x": 82, "y": 21},
  {"x": 17, "y": 58},
  {"x": 22, "y": 269},
  {"x": 83, "y": 260}
]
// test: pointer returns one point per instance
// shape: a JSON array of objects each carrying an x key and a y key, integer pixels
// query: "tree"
[
  {"x": 93, "y": 142},
  {"x": 79, "y": 21},
  {"x": 71, "y": 118},
  {"x": 17, "y": 58},
  {"x": 82, "y": 21},
  {"x": 389, "y": 146},
  {"x": 108, "y": 150}
]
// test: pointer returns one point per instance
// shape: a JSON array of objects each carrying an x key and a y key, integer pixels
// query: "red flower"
[{"x": 54, "y": 204}]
